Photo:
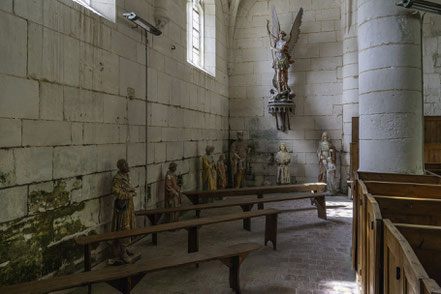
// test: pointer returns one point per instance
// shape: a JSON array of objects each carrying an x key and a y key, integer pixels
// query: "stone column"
[
  {"x": 350, "y": 81},
  {"x": 390, "y": 88}
]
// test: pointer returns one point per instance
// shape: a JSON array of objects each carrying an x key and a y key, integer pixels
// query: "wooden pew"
[
  {"x": 125, "y": 277},
  {"x": 154, "y": 215},
  {"x": 195, "y": 196},
  {"x": 412, "y": 258},
  {"x": 192, "y": 227}
]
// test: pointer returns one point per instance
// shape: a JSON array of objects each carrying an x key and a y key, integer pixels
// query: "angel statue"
[{"x": 282, "y": 51}]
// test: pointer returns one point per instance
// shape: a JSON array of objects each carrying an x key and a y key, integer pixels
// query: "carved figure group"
[
  {"x": 214, "y": 174},
  {"x": 283, "y": 160},
  {"x": 327, "y": 154}
]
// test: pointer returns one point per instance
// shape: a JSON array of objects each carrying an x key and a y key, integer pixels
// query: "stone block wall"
[
  {"x": 432, "y": 64},
  {"x": 315, "y": 77},
  {"x": 73, "y": 101}
]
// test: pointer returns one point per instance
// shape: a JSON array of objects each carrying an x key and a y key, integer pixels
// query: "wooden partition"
[
  {"x": 423, "y": 208},
  {"x": 403, "y": 272},
  {"x": 400, "y": 178}
]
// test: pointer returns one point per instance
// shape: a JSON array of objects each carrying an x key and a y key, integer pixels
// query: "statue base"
[{"x": 282, "y": 108}]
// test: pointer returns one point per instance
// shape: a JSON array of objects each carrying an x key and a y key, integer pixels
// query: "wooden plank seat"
[
  {"x": 125, "y": 277},
  {"x": 196, "y": 195},
  {"x": 412, "y": 258},
  {"x": 154, "y": 215},
  {"x": 192, "y": 226}
]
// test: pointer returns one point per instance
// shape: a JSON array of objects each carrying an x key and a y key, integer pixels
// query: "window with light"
[{"x": 201, "y": 32}]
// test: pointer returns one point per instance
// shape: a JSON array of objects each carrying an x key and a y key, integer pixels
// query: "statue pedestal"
[{"x": 282, "y": 109}]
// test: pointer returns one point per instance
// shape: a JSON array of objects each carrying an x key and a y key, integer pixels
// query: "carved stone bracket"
[{"x": 282, "y": 110}]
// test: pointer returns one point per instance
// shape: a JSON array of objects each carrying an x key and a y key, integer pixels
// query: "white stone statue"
[
  {"x": 283, "y": 159},
  {"x": 327, "y": 154}
]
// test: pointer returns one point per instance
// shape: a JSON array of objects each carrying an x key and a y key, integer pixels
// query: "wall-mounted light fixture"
[
  {"x": 421, "y": 5},
  {"x": 142, "y": 23}
]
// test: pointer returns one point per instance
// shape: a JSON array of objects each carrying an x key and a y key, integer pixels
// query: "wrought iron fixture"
[
  {"x": 142, "y": 23},
  {"x": 421, "y": 5}
]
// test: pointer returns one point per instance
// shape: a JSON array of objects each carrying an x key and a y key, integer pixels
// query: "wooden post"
[
  {"x": 193, "y": 239},
  {"x": 234, "y": 274},
  {"x": 154, "y": 221},
  {"x": 260, "y": 205},
  {"x": 271, "y": 229},
  {"x": 247, "y": 221},
  {"x": 87, "y": 264},
  {"x": 127, "y": 285},
  {"x": 198, "y": 213},
  {"x": 321, "y": 207}
]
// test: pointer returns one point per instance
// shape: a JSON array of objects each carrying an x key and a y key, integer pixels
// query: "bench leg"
[
  {"x": 198, "y": 213},
  {"x": 154, "y": 219},
  {"x": 321, "y": 207},
  {"x": 247, "y": 221},
  {"x": 127, "y": 285},
  {"x": 193, "y": 239},
  {"x": 271, "y": 229},
  {"x": 87, "y": 264},
  {"x": 234, "y": 274},
  {"x": 260, "y": 205}
]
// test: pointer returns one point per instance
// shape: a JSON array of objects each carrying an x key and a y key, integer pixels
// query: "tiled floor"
[{"x": 313, "y": 255}]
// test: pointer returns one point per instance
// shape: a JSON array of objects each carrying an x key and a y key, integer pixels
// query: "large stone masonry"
[{"x": 391, "y": 103}]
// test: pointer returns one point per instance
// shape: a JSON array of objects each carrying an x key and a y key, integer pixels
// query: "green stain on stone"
[{"x": 38, "y": 245}]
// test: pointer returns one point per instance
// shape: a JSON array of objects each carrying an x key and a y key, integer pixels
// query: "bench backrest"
[
  {"x": 404, "y": 189},
  {"x": 228, "y": 203},
  {"x": 421, "y": 211},
  {"x": 426, "y": 243},
  {"x": 84, "y": 240},
  {"x": 403, "y": 272},
  {"x": 308, "y": 187},
  {"x": 401, "y": 178}
]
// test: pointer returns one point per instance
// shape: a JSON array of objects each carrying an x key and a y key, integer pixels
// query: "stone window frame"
[
  {"x": 205, "y": 10},
  {"x": 104, "y": 8}
]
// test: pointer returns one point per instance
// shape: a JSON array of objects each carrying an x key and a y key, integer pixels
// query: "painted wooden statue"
[
  {"x": 239, "y": 159},
  {"x": 173, "y": 196},
  {"x": 123, "y": 212},
  {"x": 208, "y": 170},
  {"x": 221, "y": 172},
  {"x": 283, "y": 160}
]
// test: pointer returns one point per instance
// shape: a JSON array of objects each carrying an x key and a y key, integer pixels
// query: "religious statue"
[
  {"x": 221, "y": 172},
  {"x": 173, "y": 194},
  {"x": 239, "y": 160},
  {"x": 123, "y": 212},
  {"x": 327, "y": 162},
  {"x": 208, "y": 170},
  {"x": 282, "y": 50},
  {"x": 283, "y": 159}
]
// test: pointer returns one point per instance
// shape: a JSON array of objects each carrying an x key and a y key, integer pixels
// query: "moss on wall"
[{"x": 38, "y": 245}]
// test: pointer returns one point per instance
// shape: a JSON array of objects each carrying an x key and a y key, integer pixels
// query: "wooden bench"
[
  {"x": 154, "y": 215},
  {"x": 192, "y": 226},
  {"x": 125, "y": 277},
  {"x": 412, "y": 254},
  {"x": 195, "y": 196}
]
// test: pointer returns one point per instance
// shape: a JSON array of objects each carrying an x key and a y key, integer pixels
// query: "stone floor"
[{"x": 313, "y": 255}]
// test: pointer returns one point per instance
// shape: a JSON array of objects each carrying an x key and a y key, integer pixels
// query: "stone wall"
[
  {"x": 73, "y": 102},
  {"x": 432, "y": 64},
  {"x": 315, "y": 77}
]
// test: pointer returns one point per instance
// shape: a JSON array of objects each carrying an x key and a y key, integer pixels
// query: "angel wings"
[{"x": 282, "y": 50}]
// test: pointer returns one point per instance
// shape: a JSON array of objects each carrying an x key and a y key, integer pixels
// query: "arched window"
[
  {"x": 195, "y": 52},
  {"x": 104, "y": 8}
]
